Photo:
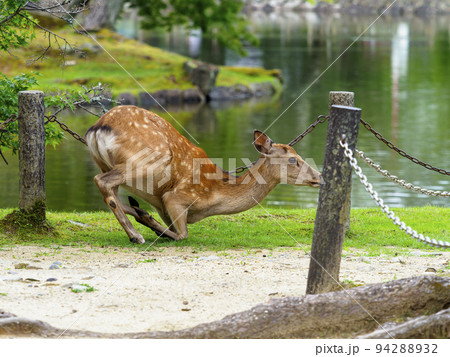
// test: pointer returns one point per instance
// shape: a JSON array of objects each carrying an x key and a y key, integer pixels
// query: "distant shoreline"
[{"x": 366, "y": 7}]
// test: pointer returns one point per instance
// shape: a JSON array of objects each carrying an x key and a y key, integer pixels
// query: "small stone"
[
  {"x": 430, "y": 270},
  {"x": 51, "y": 279},
  {"x": 185, "y": 302},
  {"x": 31, "y": 279},
  {"x": 54, "y": 266},
  {"x": 185, "y": 309},
  {"x": 21, "y": 265},
  {"x": 121, "y": 265},
  {"x": 272, "y": 294},
  {"x": 12, "y": 272},
  {"x": 209, "y": 258},
  {"x": 26, "y": 266}
]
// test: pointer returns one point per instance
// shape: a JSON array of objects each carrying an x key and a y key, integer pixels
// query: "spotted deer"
[{"x": 143, "y": 153}]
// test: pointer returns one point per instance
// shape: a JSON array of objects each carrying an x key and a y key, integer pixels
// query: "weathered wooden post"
[
  {"x": 332, "y": 210},
  {"x": 32, "y": 201},
  {"x": 347, "y": 99}
]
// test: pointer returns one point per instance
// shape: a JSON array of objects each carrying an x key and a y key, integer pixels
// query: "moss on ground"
[
  {"x": 24, "y": 223},
  {"x": 254, "y": 229},
  {"x": 150, "y": 67}
]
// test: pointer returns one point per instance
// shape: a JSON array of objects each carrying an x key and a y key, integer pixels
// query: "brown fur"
[{"x": 128, "y": 130}]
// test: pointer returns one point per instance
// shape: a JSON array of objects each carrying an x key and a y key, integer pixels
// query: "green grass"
[
  {"x": 370, "y": 231},
  {"x": 152, "y": 67},
  {"x": 88, "y": 289}
]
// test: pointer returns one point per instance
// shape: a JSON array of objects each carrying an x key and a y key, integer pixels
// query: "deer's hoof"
[{"x": 137, "y": 239}]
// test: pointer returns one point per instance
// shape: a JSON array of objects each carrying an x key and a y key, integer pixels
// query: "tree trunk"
[
  {"x": 102, "y": 14},
  {"x": 341, "y": 314},
  {"x": 32, "y": 199}
]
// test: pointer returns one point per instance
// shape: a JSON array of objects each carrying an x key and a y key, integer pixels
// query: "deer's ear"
[{"x": 262, "y": 142}]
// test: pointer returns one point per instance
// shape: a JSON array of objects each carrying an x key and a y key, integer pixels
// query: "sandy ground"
[{"x": 172, "y": 288}]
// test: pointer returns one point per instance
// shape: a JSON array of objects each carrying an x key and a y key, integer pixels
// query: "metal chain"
[
  {"x": 399, "y": 182},
  {"x": 320, "y": 119},
  {"x": 369, "y": 188},
  {"x": 401, "y": 152},
  {"x": 12, "y": 118},
  {"x": 54, "y": 119},
  {"x": 242, "y": 168}
]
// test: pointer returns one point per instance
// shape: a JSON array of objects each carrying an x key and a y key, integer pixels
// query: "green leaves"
[
  {"x": 9, "y": 89},
  {"x": 221, "y": 20},
  {"x": 16, "y": 28}
]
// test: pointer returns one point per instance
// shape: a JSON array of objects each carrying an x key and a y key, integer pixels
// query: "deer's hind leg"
[
  {"x": 108, "y": 183},
  {"x": 145, "y": 219}
]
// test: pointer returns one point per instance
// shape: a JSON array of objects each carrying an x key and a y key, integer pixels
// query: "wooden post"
[
  {"x": 342, "y": 98},
  {"x": 347, "y": 99},
  {"x": 32, "y": 201},
  {"x": 332, "y": 210}
]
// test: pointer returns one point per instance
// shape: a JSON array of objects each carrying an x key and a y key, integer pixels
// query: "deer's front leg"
[
  {"x": 178, "y": 215},
  {"x": 107, "y": 183}
]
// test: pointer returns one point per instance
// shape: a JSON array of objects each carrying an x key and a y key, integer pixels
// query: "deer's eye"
[{"x": 292, "y": 160}]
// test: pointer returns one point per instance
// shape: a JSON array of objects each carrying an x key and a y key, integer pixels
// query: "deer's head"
[{"x": 284, "y": 163}]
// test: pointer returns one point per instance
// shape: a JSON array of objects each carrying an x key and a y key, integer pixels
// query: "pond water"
[{"x": 399, "y": 70}]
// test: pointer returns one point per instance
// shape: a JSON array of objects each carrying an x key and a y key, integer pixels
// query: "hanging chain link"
[
  {"x": 399, "y": 182},
  {"x": 242, "y": 168},
  {"x": 54, "y": 119},
  {"x": 320, "y": 119},
  {"x": 369, "y": 188},
  {"x": 12, "y": 118},
  {"x": 401, "y": 152}
]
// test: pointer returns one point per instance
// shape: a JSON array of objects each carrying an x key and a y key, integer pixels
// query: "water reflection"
[{"x": 399, "y": 70}]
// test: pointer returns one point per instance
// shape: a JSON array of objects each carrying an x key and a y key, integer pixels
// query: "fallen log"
[
  {"x": 434, "y": 326},
  {"x": 341, "y": 314}
]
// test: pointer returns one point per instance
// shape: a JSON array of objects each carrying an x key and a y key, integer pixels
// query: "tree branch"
[{"x": 14, "y": 14}]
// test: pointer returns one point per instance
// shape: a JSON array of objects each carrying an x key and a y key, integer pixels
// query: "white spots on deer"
[
  {"x": 145, "y": 126},
  {"x": 130, "y": 123}
]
